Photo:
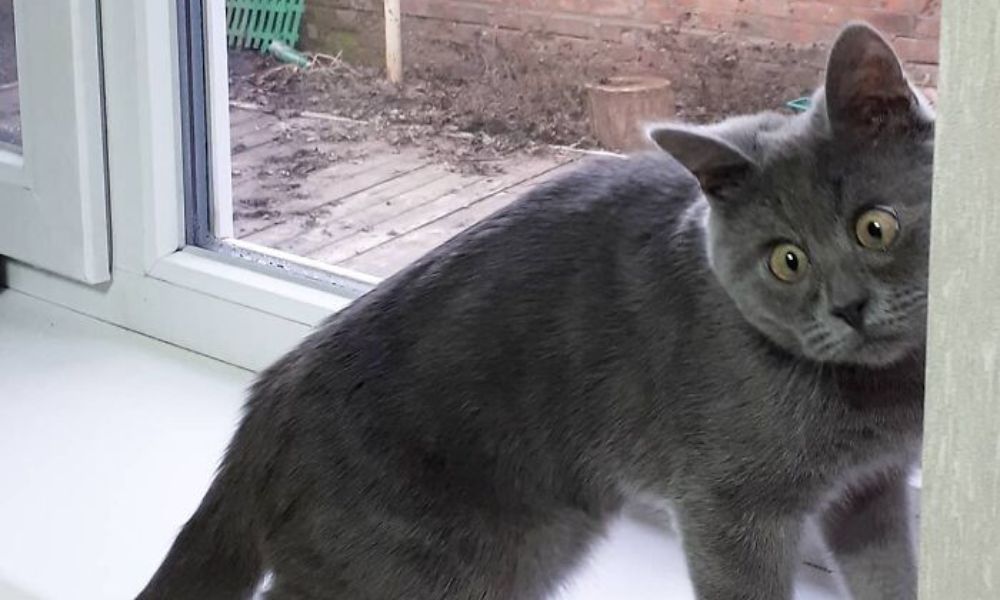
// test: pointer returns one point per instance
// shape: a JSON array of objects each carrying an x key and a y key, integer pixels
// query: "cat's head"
[{"x": 818, "y": 225}]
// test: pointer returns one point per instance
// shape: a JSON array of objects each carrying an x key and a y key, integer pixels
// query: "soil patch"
[
  {"x": 495, "y": 105},
  {"x": 484, "y": 94}
]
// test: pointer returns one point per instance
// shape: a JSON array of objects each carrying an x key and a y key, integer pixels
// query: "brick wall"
[{"x": 723, "y": 55}]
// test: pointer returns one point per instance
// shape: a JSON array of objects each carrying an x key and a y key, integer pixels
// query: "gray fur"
[{"x": 467, "y": 429}]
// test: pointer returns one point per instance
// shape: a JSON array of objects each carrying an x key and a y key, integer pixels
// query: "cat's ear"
[
  {"x": 867, "y": 93},
  {"x": 717, "y": 164}
]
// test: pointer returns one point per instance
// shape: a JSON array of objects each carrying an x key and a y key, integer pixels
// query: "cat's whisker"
[
  {"x": 813, "y": 327},
  {"x": 817, "y": 337}
]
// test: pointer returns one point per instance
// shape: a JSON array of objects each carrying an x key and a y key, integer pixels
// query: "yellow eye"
[
  {"x": 876, "y": 228},
  {"x": 788, "y": 262}
]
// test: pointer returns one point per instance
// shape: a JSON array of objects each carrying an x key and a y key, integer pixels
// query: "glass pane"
[
  {"x": 333, "y": 162},
  {"x": 10, "y": 104}
]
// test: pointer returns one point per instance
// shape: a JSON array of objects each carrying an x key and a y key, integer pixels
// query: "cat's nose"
[{"x": 852, "y": 313}]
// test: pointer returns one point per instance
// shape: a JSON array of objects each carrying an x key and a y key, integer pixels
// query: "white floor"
[{"x": 108, "y": 440}]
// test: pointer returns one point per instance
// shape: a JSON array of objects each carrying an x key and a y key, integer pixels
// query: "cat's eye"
[
  {"x": 788, "y": 262},
  {"x": 877, "y": 228}
]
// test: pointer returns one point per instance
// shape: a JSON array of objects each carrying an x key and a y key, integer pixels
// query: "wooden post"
[{"x": 393, "y": 41}]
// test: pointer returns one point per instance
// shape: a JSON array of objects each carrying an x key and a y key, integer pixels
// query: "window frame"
[
  {"x": 204, "y": 91},
  {"x": 245, "y": 312},
  {"x": 59, "y": 223}
]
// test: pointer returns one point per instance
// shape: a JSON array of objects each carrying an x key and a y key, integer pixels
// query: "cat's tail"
[{"x": 214, "y": 557}]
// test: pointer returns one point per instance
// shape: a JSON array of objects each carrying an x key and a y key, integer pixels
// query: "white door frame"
[
  {"x": 960, "y": 553},
  {"x": 53, "y": 202}
]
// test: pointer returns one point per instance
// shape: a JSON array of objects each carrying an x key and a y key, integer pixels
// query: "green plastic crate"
[{"x": 257, "y": 23}]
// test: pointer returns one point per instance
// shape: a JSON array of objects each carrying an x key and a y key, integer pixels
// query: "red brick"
[
  {"x": 610, "y": 33},
  {"x": 365, "y": 5},
  {"x": 709, "y": 6},
  {"x": 923, "y": 75},
  {"x": 931, "y": 8},
  {"x": 660, "y": 11},
  {"x": 524, "y": 3},
  {"x": 802, "y": 23},
  {"x": 419, "y": 8},
  {"x": 928, "y": 27},
  {"x": 769, "y": 8},
  {"x": 829, "y": 13},
  {"x": 804, "y": 33},
  {"x": 510, "y": 19},
  {"x": 569, "y": 26},
  {"x": 903, "y": 6},
  {"x": 501, "y": 3},
  {"x": 463, "y": 12},
  {"x": 892, "y": 23},
  {"x": 607, "y": 8},
  {"x": 917, "y": 51},
  {"x": 763, "y": 27},
  {"x": 858, "y": 3},
  {"x": 716, "y": 22}
]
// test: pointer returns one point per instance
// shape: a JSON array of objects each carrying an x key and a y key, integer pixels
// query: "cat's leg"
[
  {"x": 739, "y": 555},
  {"x": 868, "y": 531}
]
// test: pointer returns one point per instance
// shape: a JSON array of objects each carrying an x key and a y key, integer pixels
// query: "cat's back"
[
  {"x": 518, "y": 306},
  {"x": 649, "y": 186},
  {"x": 580, "y": 233},
  {"x": 592, "y": 217},
  {"x": 508, "y": 331}
]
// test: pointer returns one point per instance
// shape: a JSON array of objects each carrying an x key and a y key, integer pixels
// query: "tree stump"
[{"x": 619, "y": 109}]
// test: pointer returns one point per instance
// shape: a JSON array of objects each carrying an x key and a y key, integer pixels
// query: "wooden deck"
[{"x": 309, "y": 186}]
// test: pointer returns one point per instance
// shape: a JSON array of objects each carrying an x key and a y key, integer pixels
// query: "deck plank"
[
  {"x": 389, "y": 258},
  {"x": 267, "y": 161},
  {"x": 303, "y": 233},
  {"x": 402, "y": 224},
  {"x": 376, "y": 207},
  {"x": 325, "y": 189},
  {"x": 480, "y": 200},
  {"x": 251, "y": 133}
]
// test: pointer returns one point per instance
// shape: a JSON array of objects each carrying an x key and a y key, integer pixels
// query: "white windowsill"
[
  {"x": 108, "y": 439},
  {"x": 224, "y": 308},
  {"x": 202, "y": 271}
]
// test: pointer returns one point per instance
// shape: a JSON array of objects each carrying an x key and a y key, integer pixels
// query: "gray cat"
[{"x": 746, "y": 343}]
